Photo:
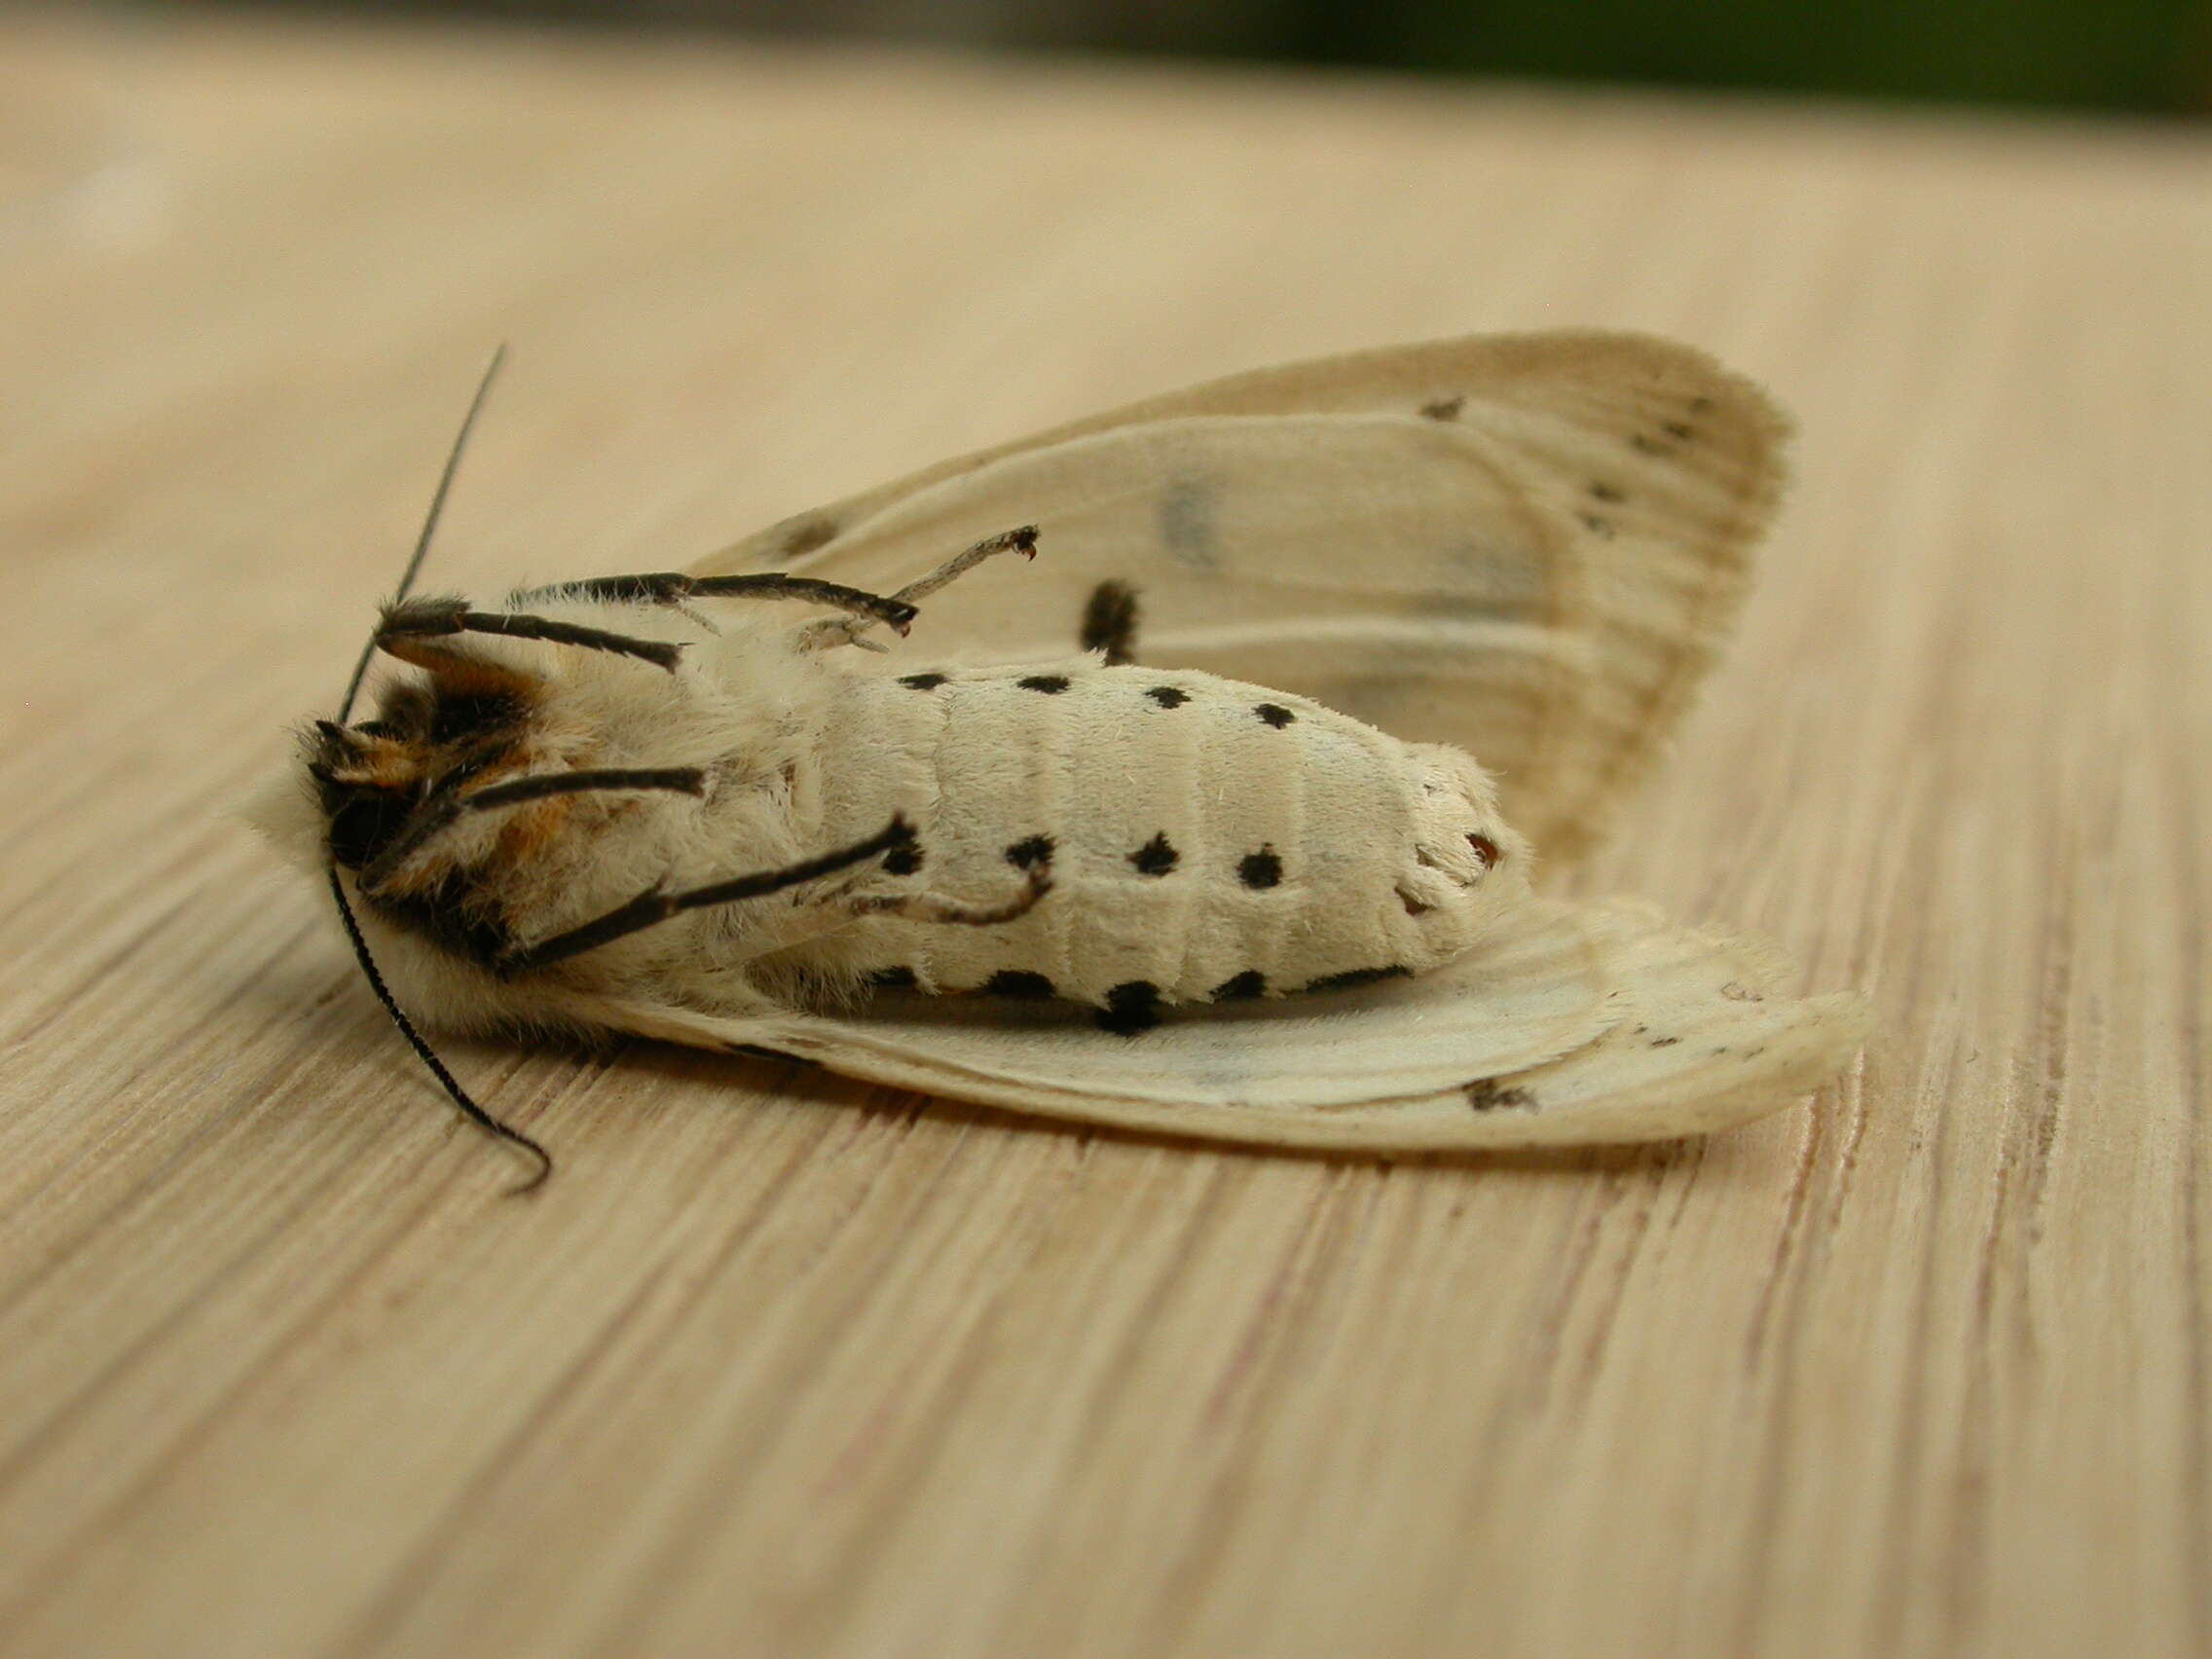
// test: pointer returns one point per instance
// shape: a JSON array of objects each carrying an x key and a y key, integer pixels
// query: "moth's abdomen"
[{"x": 1208, "y": 840}]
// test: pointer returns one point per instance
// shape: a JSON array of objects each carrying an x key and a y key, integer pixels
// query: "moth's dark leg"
[
  {"x": 932, "y": 907},
  {"x": 845, "y": 631},
  {"x": 1022, "y": 541},
  {"x": 1110, "y": 623},
  {"x": 673, "y": 587},
  {"x": 440, "y": 812},
  {"x": 443, "y": 618},
  {"x": 655, "y": 904}
]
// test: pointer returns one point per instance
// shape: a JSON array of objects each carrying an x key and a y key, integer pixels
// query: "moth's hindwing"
[{"x": 1571, "y": 1026}]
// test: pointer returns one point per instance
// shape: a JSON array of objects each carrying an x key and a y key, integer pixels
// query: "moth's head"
[
  {"x": 463, "y": 717},
  {"x": 351, "y": 787},
  {"x": 357, "y": 782},
  {"x": 365, "y": 780}
]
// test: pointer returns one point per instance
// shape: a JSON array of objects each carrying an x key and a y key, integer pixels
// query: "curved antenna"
[
  {"x": 429, "y": 522},
  {"x": 474, "y": 1113}
]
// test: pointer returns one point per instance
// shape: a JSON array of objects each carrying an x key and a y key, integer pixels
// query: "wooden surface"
[{"x": 784, "y": 1366}]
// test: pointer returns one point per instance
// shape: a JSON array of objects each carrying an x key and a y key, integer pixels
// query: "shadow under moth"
[{"x": 1204, "y": 802}]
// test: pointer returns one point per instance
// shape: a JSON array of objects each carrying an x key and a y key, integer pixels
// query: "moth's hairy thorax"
[{"x": 744, "y": 708}]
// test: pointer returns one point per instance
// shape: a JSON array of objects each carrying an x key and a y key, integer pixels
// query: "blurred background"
[{"x": 2152, "y": 56}]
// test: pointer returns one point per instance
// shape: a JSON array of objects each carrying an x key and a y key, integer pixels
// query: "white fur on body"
[{"x": 1367, "y": 846}]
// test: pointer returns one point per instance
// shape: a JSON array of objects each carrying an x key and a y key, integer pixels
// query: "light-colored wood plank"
[{"x": 781, "y": 1365}]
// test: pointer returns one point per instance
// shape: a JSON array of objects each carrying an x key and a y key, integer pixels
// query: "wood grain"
[{"x": 782, "y": 1365}]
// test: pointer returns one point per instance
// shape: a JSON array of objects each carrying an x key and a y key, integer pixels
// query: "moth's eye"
[{"x": 361, "y": 828}]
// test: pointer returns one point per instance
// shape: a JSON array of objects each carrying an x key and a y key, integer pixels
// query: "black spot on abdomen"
[
  {"x": 893, "y": 979},
  {"x": 1168, "y": 696},
  {"x": 1274, "y": 714},
  {"x": 922, "y": 681},
  {"x": 1130, "y": 1006},
  {"x": 1356, "y": 976},
  {"x": 1157, "y": 857},
  {"x": 1028, "y": 855},
  {"x": 1018, "y": 983},
  {"x": 1262, "y": 868},
  {"x": 1242, "y": 988},
  {"x": 1051, "y": 685}
]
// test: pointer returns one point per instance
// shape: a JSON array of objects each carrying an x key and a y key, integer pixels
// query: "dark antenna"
[
  {"x": 474, "y": 1113},
  {"x": 429, "y": 520}
]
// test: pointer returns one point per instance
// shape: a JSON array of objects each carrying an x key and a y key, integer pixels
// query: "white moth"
[{"x": 1258, "y": 870}]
